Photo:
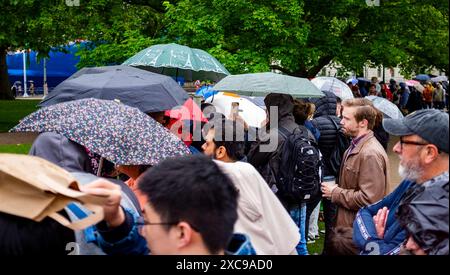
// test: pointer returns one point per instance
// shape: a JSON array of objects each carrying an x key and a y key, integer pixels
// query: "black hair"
[
  {"x": 21, "y": 236},
  {"x": 193, "y": 189},
  {"x": 229, "y": 134}
]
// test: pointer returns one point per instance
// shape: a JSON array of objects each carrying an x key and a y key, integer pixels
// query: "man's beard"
[
  {"x": 411, "y": 170},
  {"x": 350, "y": 132}
]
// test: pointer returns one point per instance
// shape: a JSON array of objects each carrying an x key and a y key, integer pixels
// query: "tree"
[
  {"x": 121, "y": 33},
  {"x": 300, "y": 37},
  {"x": 30, "y": 24},
  {"x": 44, "y": 25}
]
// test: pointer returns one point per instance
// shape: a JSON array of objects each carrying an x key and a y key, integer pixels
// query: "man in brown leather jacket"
[{"x": 364, "y": 174}]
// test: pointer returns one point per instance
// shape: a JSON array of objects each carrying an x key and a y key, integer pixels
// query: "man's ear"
[
  {"x": 221, "y": 152},
  {"x": 431, "y": 153},
  {"x": 184, "y": 233},
  {"x": 364, "y": 124}
]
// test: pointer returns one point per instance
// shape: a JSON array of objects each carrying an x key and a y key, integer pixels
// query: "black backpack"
[
  {"x": 342, "y": 144},
  {"x": 300, "y": 166}
]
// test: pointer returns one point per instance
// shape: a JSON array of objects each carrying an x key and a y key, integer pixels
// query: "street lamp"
[{"x": 25, "y": 94}]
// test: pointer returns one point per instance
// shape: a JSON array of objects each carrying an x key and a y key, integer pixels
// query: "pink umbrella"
[{"x": 415, "y": 84}]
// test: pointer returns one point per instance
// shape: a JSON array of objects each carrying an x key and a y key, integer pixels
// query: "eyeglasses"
[
  {"x": 411, "y": 142},
  {"x": 141, "y": 222}
]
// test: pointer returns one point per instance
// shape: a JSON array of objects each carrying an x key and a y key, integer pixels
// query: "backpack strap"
[
  {"x": 284, "y": 132},
  {"x": 334, "y": 123}
]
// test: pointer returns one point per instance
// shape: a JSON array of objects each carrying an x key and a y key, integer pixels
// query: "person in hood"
[
  {"x": 424, "y": 215},
  {"x": 423, "y": 162},
  {"x": 326, "y": 109},
  {"x": 267, "y": 162},
  {"x": 404, "y": 96},
  {"x": 74, "y": 158}
]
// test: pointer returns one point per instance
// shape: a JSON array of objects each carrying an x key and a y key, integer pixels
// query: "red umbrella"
[{"x": 189, "y": 111}]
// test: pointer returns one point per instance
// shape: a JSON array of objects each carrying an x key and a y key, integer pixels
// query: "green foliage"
[
  {"x": 299, "y": 37},
  {"x": 41, "y": 25},
  {"x": 118, "y": 33}
]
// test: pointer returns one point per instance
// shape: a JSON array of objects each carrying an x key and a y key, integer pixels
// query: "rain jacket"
[
  {"x": 264, "y": 161},
  {"x": 424, "y": 215},
  {"x": 73, "y": 157},
  {"x": 325, "y": 111},
  {"x": 61, "y": 151}
]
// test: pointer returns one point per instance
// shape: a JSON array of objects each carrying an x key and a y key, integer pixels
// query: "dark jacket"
[
  {"x": 326, "y": 110},
  {"x": 260, "y": 160},
  {"x": 415, "y": 101},
  {"x": 382, "y": 136}
]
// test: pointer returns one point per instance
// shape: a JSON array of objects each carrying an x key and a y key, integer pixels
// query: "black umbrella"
[{"x": 149, "y": 92}]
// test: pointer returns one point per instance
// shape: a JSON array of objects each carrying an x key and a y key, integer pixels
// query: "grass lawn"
[
  {"x": 15, "y": 148},
  {"x": 316, "y": 248},
  {"x": 11, "y": 111}
]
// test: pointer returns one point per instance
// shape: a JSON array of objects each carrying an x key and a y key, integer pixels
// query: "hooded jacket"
[
  {"x": 424, "y": 216},
  {"x": 73, "y": 157},
  {"x": 325, "y": 111},
  {"x": 364, "y": 233},
  {"x": 62, "y": 152},
  {"x": 256, "y": 157}
]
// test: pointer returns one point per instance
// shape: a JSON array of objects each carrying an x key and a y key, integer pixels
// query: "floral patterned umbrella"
[{"x": 119, "y": 133}]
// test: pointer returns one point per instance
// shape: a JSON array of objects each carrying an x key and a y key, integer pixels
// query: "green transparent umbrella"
[
  {"x": 179, "y": 61},
  {"x": 261, "y": 84}
]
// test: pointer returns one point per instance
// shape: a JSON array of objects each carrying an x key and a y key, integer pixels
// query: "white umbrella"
[
  {"x": 439, "y": 78},
  {"x": 334, "y": 85},
  {"x": 386, "y": 107},
  {"x": 250, "y": 112}
]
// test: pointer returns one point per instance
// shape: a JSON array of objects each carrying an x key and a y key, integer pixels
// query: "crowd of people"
[
  {"x": 409, "y": 97},
  {"x": 231, "y": 196}
]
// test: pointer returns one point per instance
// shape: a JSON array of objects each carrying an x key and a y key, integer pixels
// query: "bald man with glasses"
[{"x": 423, "y": 152}]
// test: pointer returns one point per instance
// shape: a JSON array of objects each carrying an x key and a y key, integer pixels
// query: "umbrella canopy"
[
  {"x": 257, "y": 100},
  {"x": 119, "y": 133},
  {"x": 149, "y": 92},
  {"x": 206, "y": 91},
  {"x": 249, "y": 111},
  {"x": 416, "y": 84},
  {"x": 354, "y": 81},
  {"x": 422, "y": 77},
  {"x": 439, "y": 78},
  {"x": 189, "y": 111},
  {"x": 261, "y": 84},
  {"x": 363, "y": 79},
  {"x": 386, "y": 107},
  {"x": 178, "y": 60},
  {"x": 334, "y": 85}
]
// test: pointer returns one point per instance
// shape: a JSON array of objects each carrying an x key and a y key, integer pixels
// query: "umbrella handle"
[{"x": 100, "y": 167}]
